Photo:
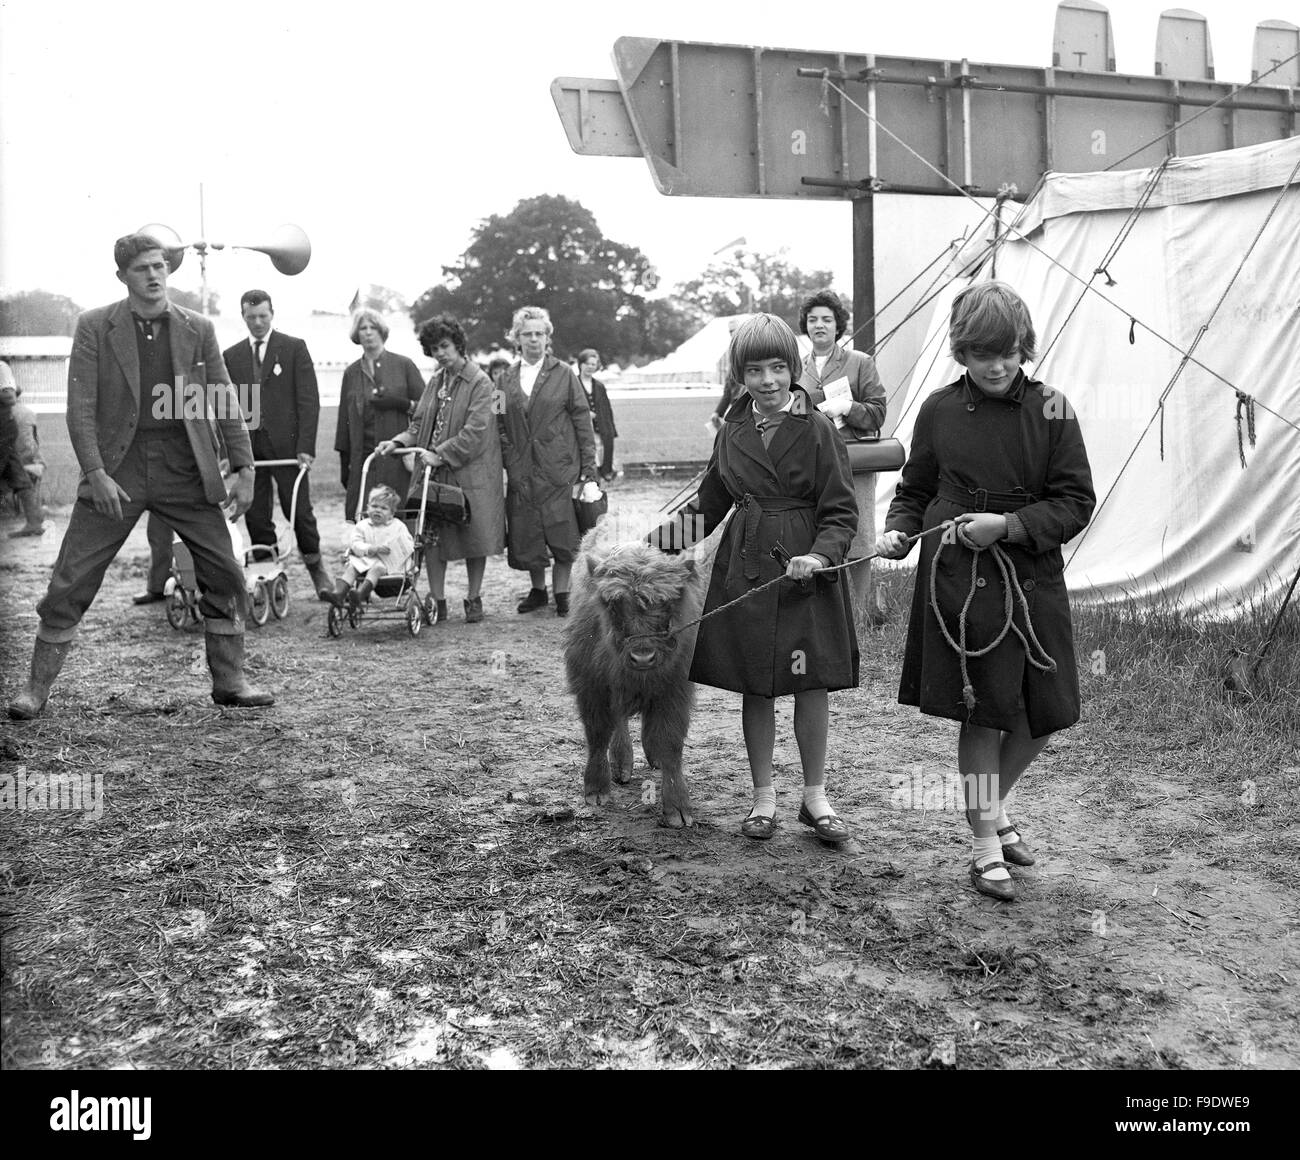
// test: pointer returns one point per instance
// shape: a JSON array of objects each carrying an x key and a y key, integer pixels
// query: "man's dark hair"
[
  {"x": 130, "y": 247},
  {"x": 255, "y": 298}
]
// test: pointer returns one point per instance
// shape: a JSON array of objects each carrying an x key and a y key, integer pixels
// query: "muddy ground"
[{"x": 394, "y": 867}]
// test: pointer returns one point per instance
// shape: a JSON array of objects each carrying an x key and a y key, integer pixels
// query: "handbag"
[
  {"x": 588, "y": 513},
  {"x": 869, "y": 453},
  {"x": 444, "y": 502}
]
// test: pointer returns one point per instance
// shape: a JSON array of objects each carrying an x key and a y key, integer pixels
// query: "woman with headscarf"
[{"x": 378, "y": 397}]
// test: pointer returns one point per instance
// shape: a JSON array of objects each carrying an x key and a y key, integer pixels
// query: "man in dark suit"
[
  {"x": 279, "y": 368},
  {"x": 149, "y": 404}
]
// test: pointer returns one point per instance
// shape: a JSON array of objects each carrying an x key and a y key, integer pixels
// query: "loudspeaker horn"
[
  {"x": 173, "y": 247},
  {"x": 289, "y": 249}
]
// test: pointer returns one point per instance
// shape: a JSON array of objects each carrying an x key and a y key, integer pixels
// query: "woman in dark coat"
[
  {"x": 602, "y": 414},
  {"x": 454, "y": 426},
  {"x": 782, "y": 466},
  {"x": 376, "y": 402},
  {"x": 549, "y": 449},
  {"x": 1002, "y": 456}
]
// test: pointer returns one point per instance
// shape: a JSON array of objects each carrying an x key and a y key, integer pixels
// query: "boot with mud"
[
  {"x": 320, "y": 577},
  {"x": 47, "y": 660},
  {"x": 226, "y": 660}
]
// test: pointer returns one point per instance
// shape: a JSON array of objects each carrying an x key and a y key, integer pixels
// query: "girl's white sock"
[
  {"x": 764, "y": 801},
  {"x": 814, "y": 797},
  {"x": 988, "y": 850},
  {"x": 1003, "y": 822}
]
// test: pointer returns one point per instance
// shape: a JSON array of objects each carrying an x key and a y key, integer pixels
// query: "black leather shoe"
[
  {"x": 1018, "y": 852},
  {"x": 1003, "y": 889},
  {"x": 561, "y": 604},
  {"x": 474, "y": 610},
  {"x": 536, "y": 598},
  {"x": 149, "y": 598}
]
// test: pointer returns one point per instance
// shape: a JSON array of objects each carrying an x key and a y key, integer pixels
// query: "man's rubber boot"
[
  {"x": 47, "y": 660},
  {"x": 320, "y": 578},
  {"x": 226, "y": 660}
]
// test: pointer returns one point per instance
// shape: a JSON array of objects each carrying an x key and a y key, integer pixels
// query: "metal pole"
[
  {"x": 203, "y": 257},
  {"x": 864, "y": 277}
]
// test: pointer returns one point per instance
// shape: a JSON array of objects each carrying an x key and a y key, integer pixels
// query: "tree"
[
  {"x": 549, "y": 251},
  {"x": 192, "y": 300},
  {"x": 37, "y": 312},
  {"x": 743, "y": 281}
]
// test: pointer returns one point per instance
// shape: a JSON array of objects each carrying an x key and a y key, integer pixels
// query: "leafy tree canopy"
[
  {"x": 37, "y": 312},
  {"x": 743, "y": 281},
  {"x": 549, "y": 251}
]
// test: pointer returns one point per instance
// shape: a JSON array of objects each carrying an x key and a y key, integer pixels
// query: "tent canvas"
[
  {"x": 1178, "y": 515},
  {"x": 699, "y": 359}
]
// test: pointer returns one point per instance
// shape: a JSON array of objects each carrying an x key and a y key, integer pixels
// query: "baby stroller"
[
  {"x": 265, "y": 579},
  {"x": 394, "y": 597}
]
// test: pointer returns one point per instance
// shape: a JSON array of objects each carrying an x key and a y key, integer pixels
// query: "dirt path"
[{"x": 395, "y": 867}]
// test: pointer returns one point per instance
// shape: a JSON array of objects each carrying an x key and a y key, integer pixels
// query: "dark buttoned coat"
[{"x": 1027, "y": 443}]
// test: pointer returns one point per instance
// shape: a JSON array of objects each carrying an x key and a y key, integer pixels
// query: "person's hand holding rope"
[{"x": 976, "y": 530}]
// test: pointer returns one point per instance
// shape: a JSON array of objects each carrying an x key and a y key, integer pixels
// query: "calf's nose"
[{"x": 642, "y": 656}]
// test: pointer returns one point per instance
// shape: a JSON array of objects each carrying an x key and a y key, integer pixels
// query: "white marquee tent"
[{"x": 1178, "y": 516}]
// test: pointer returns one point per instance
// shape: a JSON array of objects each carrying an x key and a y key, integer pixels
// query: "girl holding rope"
[
  {"x": 781, "y": 465},
  {"x": 989, "y": 644}
]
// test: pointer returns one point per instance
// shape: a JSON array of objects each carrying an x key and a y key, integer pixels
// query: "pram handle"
[
  {"x": 361, "y": 492},
  {"x": 281, "y": 463}
]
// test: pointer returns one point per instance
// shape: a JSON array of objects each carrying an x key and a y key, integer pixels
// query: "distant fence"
[{"x": 663, "y": 426}]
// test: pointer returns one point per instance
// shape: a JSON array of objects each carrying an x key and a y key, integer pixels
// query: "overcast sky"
[{"x": 389, "y": 130}]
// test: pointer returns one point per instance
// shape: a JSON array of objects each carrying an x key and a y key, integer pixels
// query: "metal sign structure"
[{"x": 719, "y": 120}]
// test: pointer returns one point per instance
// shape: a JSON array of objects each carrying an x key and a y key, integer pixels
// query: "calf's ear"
[{"x": 591, "y": 565}]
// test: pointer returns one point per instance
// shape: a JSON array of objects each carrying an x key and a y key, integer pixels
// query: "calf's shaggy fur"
[{"x": 621, "y": 659}]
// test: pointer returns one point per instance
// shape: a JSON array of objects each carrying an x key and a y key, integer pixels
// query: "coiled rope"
[{"x": 1010, "y": 584}]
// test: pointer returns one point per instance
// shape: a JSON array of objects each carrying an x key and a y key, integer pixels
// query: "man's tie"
[{"x": 257, "y": 360}]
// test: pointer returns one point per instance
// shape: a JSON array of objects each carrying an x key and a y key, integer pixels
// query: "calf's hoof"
[
  {"x": 598, "y": 797},
  {"x": 676, "y": 817}
]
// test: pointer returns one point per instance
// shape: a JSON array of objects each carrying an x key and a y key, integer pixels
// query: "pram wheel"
[
  {"x": 177, "y": 608},
  {"x": 280, "y": 596},
  {"x": 259, "y": 603},
  {"x": 334, "y": 621},
  {"x": 430, "y": 610},
  {"x": 354, "y": 614},
  {"x": 414, "y": 617}
]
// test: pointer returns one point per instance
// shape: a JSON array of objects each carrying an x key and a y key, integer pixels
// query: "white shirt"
[{"x": 528, "y": 376}]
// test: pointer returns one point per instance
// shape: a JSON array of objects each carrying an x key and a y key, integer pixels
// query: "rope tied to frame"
[
  {"x": 1245, "y": 403},
  {"x": 1033, "y": 647}
]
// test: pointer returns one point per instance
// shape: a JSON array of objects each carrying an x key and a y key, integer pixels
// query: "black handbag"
[
  {"x": 870, "y": 453},
  {"x": 444, "y": 502},
  {"x": 588, "y": 514}
]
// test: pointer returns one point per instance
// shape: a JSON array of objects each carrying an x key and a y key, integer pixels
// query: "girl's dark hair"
[
  {"x": 827, "y": 298},
  {"x": 991, "y": 316},
  {"x": 763, "y": 336},
  {"x": 441, "y": 326}
]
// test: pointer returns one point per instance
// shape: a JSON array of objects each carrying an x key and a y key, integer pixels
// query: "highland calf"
[{"x": 622, "y": 658}]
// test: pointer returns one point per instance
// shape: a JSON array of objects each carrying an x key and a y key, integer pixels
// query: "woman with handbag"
[
  {"x": 376, "y": 401},
  {"x": 843, "y": 385},
  {"x": 455, "y": 432}
]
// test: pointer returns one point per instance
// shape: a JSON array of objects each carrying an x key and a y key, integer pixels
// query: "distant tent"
[
  {"x": 1179, "y": 516},
  {"x": 697, "y": 360}
]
